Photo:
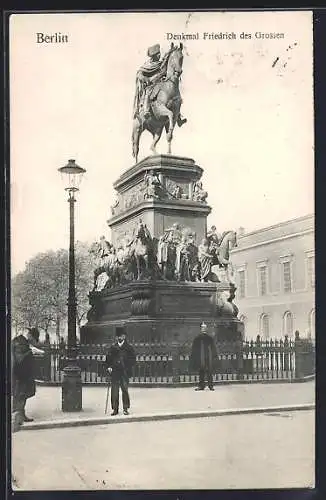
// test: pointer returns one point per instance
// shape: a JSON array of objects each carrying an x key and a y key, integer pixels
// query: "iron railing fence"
[{"x": 159, "y": 363}]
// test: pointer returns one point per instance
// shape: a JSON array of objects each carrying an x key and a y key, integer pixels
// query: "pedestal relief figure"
[
  {"x": 177, "y": 192},
  {"x": 198, "y": 193},
  {"x": 115, "y": 207},
  {"x": 152, "y": 185}
]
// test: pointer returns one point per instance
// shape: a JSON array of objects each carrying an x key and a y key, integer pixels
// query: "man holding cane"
[{"x": 119, "y": 361}]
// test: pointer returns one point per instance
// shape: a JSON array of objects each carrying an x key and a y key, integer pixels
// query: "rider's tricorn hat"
[{"x": 154, "y": 50}]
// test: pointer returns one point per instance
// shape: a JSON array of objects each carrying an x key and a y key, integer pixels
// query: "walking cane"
[{"x": 107, "y": 395}]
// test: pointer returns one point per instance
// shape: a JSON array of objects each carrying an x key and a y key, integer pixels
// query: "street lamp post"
[{"x": 71, "y": 383}]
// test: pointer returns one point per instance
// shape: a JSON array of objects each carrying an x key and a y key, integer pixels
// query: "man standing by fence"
[
  {"x": 23, "y": 382},
  {"x": 119, "y": 361},
  {"x": 202, "y": 358}
]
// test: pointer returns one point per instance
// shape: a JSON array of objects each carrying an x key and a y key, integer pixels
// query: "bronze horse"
[
  {"x": 221, "y": 253},
  {"x": 144, "y": 253},
  {"x": 165, "y": 108}
]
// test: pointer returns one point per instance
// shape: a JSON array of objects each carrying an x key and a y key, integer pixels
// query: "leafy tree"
[{"x": 40, "y": 292}]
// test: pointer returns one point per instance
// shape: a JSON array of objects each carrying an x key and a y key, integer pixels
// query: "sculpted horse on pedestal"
[
  {"x": 165, "y": 103},
  {"x": 221, "y": 253},
  {"x": 105, "y": 264},
  {"x": 144, "y": 252}
]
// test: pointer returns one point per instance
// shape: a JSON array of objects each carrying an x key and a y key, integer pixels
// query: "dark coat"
[
  {"x": 121, "y": 359},
  {"x": 203, "y": 353},
  {"x": 23, "y": 367}
]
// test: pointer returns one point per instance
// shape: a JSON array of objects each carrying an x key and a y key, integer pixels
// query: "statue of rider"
[
  {"x": 150, "y": 73},
  {"x": 213, "y": 236}
]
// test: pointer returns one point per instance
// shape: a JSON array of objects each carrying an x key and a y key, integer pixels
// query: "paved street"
[
  {"x": 46, "y": 405},
  {"x": 271, "y": 450}
]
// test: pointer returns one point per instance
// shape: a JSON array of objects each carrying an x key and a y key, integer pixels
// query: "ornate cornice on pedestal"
[
  {"x": 176, "y": 165},
  {"x": 177, "y": 205}
]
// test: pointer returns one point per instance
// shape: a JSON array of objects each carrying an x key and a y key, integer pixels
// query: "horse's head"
[
  {"x": 174, "y": 67},
  {"x": 229, "y": 238}
]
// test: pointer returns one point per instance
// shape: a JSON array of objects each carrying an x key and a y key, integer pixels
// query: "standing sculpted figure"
[
  {"x": 166, "y": 250},
  {"x": 186, "y": 257},
  {"x": 205, "y": 257}
]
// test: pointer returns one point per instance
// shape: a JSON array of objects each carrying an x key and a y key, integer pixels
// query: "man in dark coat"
[
  {"x": 23, "y": 383},
  {"x": 119, "y": 361},
  {"x": 203, "y": 356}
]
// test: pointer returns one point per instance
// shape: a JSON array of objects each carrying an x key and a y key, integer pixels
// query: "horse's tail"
[{"x": 136, "y": 131}]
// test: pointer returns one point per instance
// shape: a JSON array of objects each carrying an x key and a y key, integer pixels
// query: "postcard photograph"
[{"x": 162, "y": 250}]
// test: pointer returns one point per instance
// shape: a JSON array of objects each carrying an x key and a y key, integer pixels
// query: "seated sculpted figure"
[{"x": 150, "y": 73}]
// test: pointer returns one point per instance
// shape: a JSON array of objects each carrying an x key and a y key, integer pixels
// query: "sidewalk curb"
[
  {"x": 178, "y": 385},
  {"x": 53, "y": 424}
]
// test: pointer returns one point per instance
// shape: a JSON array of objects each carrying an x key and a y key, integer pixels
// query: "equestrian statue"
[{"x": 157, "y": 99}]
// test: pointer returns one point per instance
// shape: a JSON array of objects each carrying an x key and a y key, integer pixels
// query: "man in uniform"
[
  {"x": 203, "y": 357},
  {"x": 151, "y": 72}
]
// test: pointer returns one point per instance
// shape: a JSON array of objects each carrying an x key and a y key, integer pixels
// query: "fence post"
[
  {"x": 239, "y": 348},
  {"x": 304, "y": 357},
  {"x": 175, "y": 352},
  {"x": 47, "y": 363}
]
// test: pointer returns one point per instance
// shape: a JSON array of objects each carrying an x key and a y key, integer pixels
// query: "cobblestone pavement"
[
  {"x": 271, "y": 450},
  {"x": 46, "y": 405}
]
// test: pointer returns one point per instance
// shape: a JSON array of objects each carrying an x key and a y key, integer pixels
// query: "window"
[
  {"x": 288, "y": 324},
  {"x": 264, "y": 326},
  {"x": 311, "y": 270},
  {"x": 287, "y": 282},
  {"x": 262, "y": 280},
  {"x": 242, "y": 284}
]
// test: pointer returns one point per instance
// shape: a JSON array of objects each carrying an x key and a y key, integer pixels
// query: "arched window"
[
  {"x": 288, "y": 324},
  {"x": 312, "y": 320},
  {"x": 264, "y": 326}
]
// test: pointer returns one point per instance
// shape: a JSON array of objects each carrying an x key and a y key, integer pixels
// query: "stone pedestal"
[
  {"x": 71, "y": 388},
  {"x": 161, "y": 312},
  {"x": 159, "y": 213}
]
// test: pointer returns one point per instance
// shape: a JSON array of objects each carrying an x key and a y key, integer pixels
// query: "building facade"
[{"x": 275, "y": 278}]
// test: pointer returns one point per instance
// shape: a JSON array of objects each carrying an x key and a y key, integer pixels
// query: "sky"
[{"x": 249, "y": 105}]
